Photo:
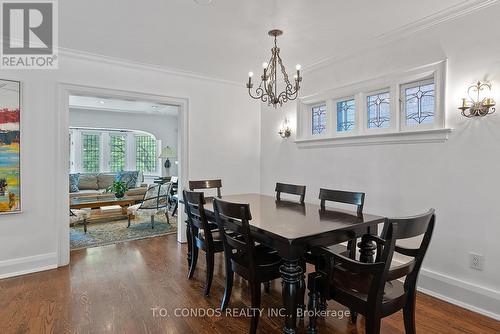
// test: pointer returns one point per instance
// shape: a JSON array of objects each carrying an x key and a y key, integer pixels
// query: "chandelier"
[{"x": 267, "y": 91}]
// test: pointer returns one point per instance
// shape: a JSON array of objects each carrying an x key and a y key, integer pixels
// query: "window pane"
[
  {"x": 345, "y": 115},
  {"x": 91, "y": 148},
  {"x": 319, "y": 119},
  {"x": 419, "y": 104},
  {"x": 145, "y": 152},
  {"x": 379, "y": 112},
  {"x": 118, "y": 148}
]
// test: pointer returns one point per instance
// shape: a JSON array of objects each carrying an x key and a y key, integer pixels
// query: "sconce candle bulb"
[{"x": 285, "y": 130}]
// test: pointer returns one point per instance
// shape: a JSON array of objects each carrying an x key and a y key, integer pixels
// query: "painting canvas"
[{"x": 10, "y": 173}]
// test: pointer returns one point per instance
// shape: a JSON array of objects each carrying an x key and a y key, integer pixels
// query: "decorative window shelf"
[{"x": 404, "y": 137}]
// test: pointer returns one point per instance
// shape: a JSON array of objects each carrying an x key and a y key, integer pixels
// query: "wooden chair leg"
[
  {"x": 409, "y": 315},
  {"x": 372, "y": 324},
  {"x": 229, "y": 287},
  {"x": 152, "y": 221},
  {"x": 168, "y": 219},
  {"x": 255, "y": 292},
  {"x": 174, "y": 211},
  {"x": 209, "y": 256},
  {"x": 129, "y": 217},
  {"x": 194, "y": 259},
  {"x": 85, "y": 225},
  {"x": 351, "y": 248}
]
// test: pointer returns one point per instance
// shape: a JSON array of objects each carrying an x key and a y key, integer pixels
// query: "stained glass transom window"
[
  {"x": 91, "y": 152},
  {"x": 379, "y": 112},
  {"x": 345, "y": 115},
  {"x": 117, "y": 152},
  {"x": 419, "y": 104},
  {"x": 145, "y": 154},
  {"x": 319, "y": 119}
]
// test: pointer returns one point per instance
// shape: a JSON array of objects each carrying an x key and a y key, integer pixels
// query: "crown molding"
[
  {"x": 93, "y": 57},
  {"x": 454, "y": 12}
]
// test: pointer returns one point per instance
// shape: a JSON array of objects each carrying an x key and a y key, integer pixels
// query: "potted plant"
[{"x": 119, "y": 188}]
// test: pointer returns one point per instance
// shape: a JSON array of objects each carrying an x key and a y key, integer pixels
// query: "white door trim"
[{"x": 61, "y": 201}]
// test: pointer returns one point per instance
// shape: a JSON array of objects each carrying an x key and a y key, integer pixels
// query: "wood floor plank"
[{"x": 114, "y": 289}]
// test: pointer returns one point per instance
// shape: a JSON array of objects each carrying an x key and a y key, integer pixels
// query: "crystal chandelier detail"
[{"x": 267, "y": 91}]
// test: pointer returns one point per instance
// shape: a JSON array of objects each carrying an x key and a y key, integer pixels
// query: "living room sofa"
[{"x": 95, "y": 184}]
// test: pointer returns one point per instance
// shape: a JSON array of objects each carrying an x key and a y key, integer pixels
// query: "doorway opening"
[{"x": 125, "y": 162}]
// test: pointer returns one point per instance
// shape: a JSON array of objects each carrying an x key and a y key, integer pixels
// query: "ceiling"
[
  {"x": 228, "y": 38},
  {"x": 117, "y": 105}
]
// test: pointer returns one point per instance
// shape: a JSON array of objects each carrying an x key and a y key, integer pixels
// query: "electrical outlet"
[{"x": 476, "y": 261}]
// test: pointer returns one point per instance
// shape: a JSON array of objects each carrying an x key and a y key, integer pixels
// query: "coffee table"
[{"x": 98, "y": 202}]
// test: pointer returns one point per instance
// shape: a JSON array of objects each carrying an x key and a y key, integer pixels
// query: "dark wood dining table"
[{"x": 293, "y": 229}]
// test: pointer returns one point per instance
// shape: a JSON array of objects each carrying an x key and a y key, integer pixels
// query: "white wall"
[
  {"x": 460, "y": 177},
  {"x": 223, "y": 143},
  {"x": 163, "y": 127}
]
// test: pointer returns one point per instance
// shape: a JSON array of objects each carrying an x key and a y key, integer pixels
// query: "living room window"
[
  {"x": 102, "y": 151},
  {"x": 145, "y": 154},
  {"x": 91, "y": 143},
  {"x": 117, "y": 152}
]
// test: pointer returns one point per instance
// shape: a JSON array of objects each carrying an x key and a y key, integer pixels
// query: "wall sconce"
[
  {"x": 285, "y": 130},
  {"x": 475, "y": 106}
]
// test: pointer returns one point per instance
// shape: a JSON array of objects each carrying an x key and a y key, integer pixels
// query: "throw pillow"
[
  {"x": 88, "y": 182},
  {"x": 74, "y": 180},
  {"x": 128, "y": 177},
  {"x": 105, "y": 180}
]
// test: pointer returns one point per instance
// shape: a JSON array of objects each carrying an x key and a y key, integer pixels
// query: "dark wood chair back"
[
  {"x": 290, "y": 189},
  {"x": 340, "y": 196},
  {"x": 233, "y": 221},
  {"x": 194, "y": 203},
  {"x": 206, "y": 184},
  {"x": 410, "y": 227},
  {"x": 380, "y": 272}
]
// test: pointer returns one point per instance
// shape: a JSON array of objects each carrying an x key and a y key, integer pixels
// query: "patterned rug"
[{"x": 100, "y": 234}]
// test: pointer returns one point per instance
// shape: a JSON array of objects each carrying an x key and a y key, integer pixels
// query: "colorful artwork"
[{"x": 10, "y": 178}]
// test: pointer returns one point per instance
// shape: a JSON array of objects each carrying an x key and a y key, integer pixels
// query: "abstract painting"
[{"x": 10, "y": 173}]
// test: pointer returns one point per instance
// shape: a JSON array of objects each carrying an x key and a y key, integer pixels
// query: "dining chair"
[
  {"x": 290, "y": 189},
  {"x": 255, "y": 263},
  {"x": 376, "y": 290},
  {"x": 345, "y": 197},
  {"x": 155, "y": 201},
  {"x": 206, "y": 184},
  {"x": 202, "y": 235}
]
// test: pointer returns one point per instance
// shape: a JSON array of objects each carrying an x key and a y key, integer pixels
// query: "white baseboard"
[
  {"x": 470, "y": 296},
  {"x": 467, "y": 295},
  {"x": 27, "y": 265}
]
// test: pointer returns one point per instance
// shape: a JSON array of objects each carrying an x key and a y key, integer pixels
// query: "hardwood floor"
[{"x": 112, "y": 289}]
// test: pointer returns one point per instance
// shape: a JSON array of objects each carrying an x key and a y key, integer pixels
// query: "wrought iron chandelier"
[{"x": 267, "y": 91}]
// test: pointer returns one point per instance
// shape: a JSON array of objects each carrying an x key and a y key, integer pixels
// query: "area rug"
[{"x": 106, "y": 233}]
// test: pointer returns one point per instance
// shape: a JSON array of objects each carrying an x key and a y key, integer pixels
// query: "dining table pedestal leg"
[
  {"x": 293, "y": 279},
  {"x": 367, "y": 249}
]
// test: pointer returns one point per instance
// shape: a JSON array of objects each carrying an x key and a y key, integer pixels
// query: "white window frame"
[
  {"x": 397, "y": 132},
  {"x": 402, "y": 99},
  {"x": 355, "y": 128},
  {"x": 101, "y": 146},
  {"x": 108, "y": 155},
  {"x": 327, "y": 131},
  {"x": 76, "y": 156},
  {"x": 392, "y": 111}
]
